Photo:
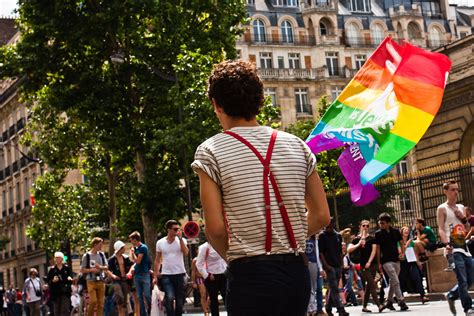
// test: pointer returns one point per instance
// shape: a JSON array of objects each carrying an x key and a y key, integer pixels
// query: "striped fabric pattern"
[
  {"x": 386, "y": 108},
  {"x": 238, "y": 172}
]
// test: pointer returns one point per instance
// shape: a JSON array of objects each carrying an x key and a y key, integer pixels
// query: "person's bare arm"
[
  {"x": 211, "y": 200},
  {"x": 316, "y": 204},
  {"x": 372, "y": 256},
  {"x": 157, "y": 264},
  {"x": 441, "y": 219}
]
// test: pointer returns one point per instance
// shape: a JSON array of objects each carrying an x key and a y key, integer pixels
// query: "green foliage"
[
  {"x": 61, "y": 213},
  {"x": 130, "y": 127},
  {"x": 4, "y": 240},
  {"x": 269, "y": 114}
]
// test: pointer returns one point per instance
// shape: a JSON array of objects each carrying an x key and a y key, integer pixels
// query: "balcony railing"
[
  {"x": 278, "y": 39},
  {"x": 436, "y": 43},
  {"x": 304, "y": 109},
  {"x": 352, "y": 41},
  {"x": 294, "y": 74},
  {"x": 329, "y": 39},
  {"x": 318, "y": 6},
  {"x": 402, "y": 11}
]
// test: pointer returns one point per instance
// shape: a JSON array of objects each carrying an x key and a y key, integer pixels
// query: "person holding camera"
[
  {"x": 93, "y": 266},
  {"x": 59, "y": 281},
  {"x": 33, "y": 291}
]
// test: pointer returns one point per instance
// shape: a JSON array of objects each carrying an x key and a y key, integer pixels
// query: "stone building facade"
[{"x": 304, "y": 49}]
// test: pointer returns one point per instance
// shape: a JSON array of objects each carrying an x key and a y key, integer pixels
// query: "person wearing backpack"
[
  {"x": 141, "y": 273},
  {"x": 32, "y": 291},
  {"x": 93, "y": 266},
  {"x": 363, "y": 250},
  {"x": 59, "y": 280}
]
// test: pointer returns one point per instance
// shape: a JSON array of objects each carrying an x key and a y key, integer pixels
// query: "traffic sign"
[{"x": 191, "y": 229}]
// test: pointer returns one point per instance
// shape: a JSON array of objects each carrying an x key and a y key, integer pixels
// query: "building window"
[
  {"x": 294, "y": 60},
  {"x": 287, "y": 32},
  {"x": 352, "y": 34},
  {"x": 18, "y": 196},
  {"x": 285, "y": 3},
  {"x": 281, "y": 62},
  {"x": 251, "y": 2},
  {"x": 405, "y": 202},
  {"x": 435, "y": 37},
  {"x": 26, "y": 191},
  {"x": 259, "y": 31},
  {"x": 323, "y": 29},
  {"x": 271, "y": 92},
  {"x": 4, "y": 201},
  {"x": 377, "y": 33},
  {"x": 302, "y": 104},
  {"x": 360, "y": 5},
  {"x": 462, "y": 34},
  {"x": 359, "y": 61},
  {"x": 335, "y": 92},
  {"x": 332, "y": 63},
  {"x": 414, "y": 31},
  {"x": 266, "y": 60},
  {"x": 402, "y": 167}
]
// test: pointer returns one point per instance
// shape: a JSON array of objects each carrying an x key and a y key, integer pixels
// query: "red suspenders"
[{"x": 266, "y": 191}]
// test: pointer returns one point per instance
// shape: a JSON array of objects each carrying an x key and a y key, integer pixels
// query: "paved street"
[{"x": 438, "y": 308}]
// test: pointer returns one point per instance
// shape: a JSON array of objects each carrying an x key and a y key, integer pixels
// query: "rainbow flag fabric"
[{"x": 382, "y": 113}]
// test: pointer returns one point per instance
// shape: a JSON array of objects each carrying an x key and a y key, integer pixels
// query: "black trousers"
[
  {"x": 268, "y": 287},
  {"x": 219, "y": 284}
]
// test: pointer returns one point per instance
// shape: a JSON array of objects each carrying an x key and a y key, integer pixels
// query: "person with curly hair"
[{"x": 258, "y": 224}]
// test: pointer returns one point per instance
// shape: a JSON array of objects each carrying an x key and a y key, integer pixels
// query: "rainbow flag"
[{"x": 382, "y": 113}]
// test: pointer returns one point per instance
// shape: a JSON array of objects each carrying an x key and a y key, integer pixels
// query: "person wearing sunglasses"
[{"x": 169, "y": 265}]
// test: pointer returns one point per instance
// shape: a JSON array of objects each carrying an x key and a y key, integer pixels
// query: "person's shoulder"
[
  {"x": 442, "y": 206},
  {"x": 213, "y": 141}
]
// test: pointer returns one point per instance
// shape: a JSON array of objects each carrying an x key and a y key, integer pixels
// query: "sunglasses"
[
  {"x": 176, "y": 229},
  {"x": 365, "y": 225}
]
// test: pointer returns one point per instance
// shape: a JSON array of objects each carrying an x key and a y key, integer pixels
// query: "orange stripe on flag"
[
  {"x": 420, "y": 95},
  {"x": 372, "y": 76}
]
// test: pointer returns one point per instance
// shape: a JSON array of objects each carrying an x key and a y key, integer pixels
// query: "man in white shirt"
[
  {"x": 212, "y": 267},
  {"x": 452, "y": 226},
  {"x": 170, "y": 252},
  {"x": 33, "y": 289}
]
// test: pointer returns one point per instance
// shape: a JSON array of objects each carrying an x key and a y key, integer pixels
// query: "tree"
[
  {"x": 63, "y": 220},
  {"x": 148, "y": 111}
]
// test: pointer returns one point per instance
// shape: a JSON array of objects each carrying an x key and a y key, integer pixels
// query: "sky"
[{"x": 7, "y": 6}]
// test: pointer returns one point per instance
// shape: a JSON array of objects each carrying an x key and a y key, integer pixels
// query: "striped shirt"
[{"x": 239, "y": 174}]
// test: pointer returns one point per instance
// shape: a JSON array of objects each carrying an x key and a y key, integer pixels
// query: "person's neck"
[
  {"x": 60, "y": 266},
  {"x": 387, "y": 229},
  {"x": 94, "y": 251},
  {"x": 170, "y": 237},
  {"x": 239, "y": 122},
  {"x": 451, "y": 202}
]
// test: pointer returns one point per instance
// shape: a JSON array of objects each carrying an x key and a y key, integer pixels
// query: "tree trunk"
[
  {"x": 111, "y": 182},
  {"x": 149, "y": 225}
]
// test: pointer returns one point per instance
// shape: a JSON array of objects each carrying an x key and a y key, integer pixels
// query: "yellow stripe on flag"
[{"x": 411, "y": 122}]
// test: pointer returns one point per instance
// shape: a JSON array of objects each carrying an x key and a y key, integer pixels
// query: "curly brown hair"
[{"x": 236, "y": 87}]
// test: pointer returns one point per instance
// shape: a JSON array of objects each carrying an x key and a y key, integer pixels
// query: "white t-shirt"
[
  {"x": 31, "y": 285},
  {"x": 172, "y": 256},
  {"x": 458, "y": 228}
]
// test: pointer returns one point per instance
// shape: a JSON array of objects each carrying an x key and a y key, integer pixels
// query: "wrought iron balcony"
[
  {"x": 278, "y": 39},
  {"x": 292, "y": 74},
  {"x": 318, "y": 6},
  {"x": 352, "y": 41}
]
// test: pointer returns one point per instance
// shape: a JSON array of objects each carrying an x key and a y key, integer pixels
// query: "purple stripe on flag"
[
  {"x": 351, "y": 163},
  {"x": 323, "y": 142}
]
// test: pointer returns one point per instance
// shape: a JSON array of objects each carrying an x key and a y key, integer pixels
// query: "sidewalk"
[{"x": 409, "y": 298}]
